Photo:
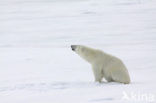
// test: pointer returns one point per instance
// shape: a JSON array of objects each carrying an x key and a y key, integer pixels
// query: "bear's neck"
[{"x": 89, "y": 55}]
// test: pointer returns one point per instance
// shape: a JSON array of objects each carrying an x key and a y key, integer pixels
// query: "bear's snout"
[{"x": 73, "y": 47}]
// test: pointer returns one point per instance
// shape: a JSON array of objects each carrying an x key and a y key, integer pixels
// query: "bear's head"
[
  {"x": 85, "y": 52},
  {"x": 77, "y": 48}
]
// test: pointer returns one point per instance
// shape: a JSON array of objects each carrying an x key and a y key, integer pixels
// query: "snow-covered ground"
[{"x": 38, "y": 66}]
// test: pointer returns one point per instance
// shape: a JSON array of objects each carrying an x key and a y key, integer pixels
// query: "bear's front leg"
[{"x": 97, "y": 74}]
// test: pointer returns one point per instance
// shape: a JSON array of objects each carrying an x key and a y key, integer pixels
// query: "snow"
[{"x": 38, "y": 66}]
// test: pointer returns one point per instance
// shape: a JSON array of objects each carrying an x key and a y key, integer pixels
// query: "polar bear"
[{"x": 103, "y": 65}]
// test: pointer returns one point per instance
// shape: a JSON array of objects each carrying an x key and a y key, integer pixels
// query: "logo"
[{"x": 138, "y": 97}]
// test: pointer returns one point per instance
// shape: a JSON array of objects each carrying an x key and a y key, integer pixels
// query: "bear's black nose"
[{"x": 73, "y": 47}]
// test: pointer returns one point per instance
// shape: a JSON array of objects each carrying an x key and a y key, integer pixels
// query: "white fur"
[{"x": 104, "y": 65}]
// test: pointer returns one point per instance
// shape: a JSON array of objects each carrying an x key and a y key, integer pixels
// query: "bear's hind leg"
[
  {"x": 121, "y": 76},
  {"x": 109, "y": 79}
]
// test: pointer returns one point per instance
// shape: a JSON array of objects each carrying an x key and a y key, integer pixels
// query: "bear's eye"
[{"x": 82, "y": 49}]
